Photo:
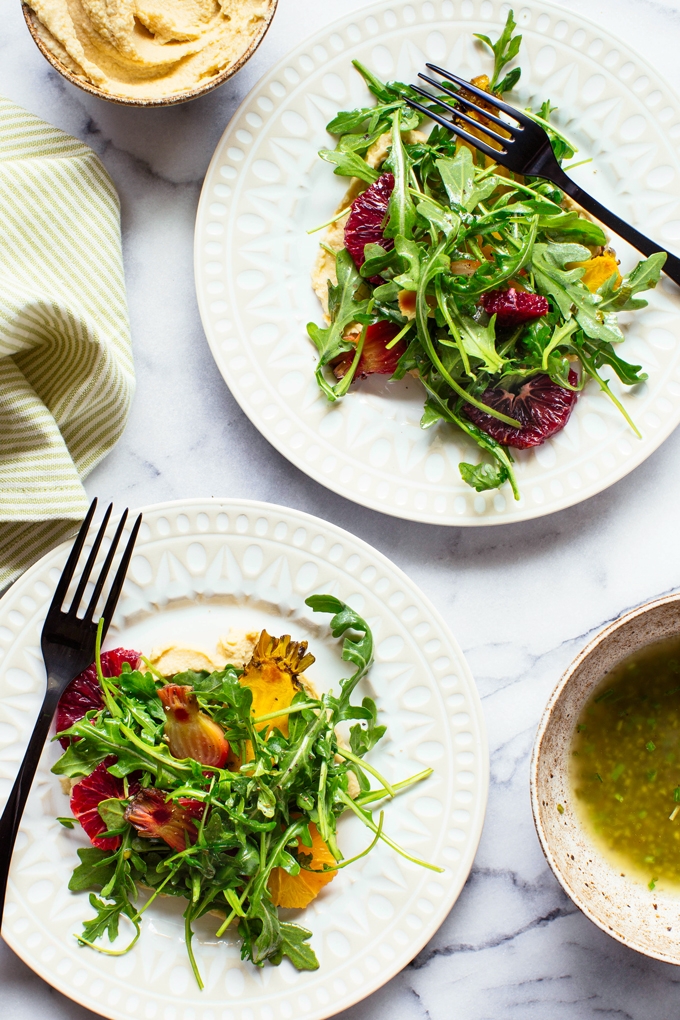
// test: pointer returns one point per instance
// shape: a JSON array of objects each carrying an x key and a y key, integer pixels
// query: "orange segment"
[
  {"x": 299, "y": 890},
  {"x": 598, "y": 271}
]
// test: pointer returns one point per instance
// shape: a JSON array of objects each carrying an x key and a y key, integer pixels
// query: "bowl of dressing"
[{"x": 605, "y": 780}]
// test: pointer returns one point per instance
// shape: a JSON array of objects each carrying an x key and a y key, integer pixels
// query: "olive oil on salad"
[{"x": 626, "y": 764}]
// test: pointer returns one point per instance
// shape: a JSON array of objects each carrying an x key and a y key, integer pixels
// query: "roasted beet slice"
[
  {"x": 87, "y": 795},
  {"x": 540, "y": 405},
  {"x": 191, "y": 733},
  {"x": 375, "y": 358},
  {"x": 367, "y": 219},
  {"x": 513, "y": 307},
  {"x": 84, "y": 692},
  {"x": 154, "y": 817}
]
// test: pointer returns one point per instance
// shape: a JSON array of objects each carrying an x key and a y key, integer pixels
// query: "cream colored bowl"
[
  {"x": 171, "y": 99},
  {"x": 648, "y": 922}
]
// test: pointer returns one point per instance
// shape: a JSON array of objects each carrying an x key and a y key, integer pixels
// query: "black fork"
[
  {"x": 68, "y": 646},
  {"x": 523, "y": 147}
]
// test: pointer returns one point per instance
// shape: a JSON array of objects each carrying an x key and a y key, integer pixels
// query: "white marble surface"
[{"x": 521, "y": 599}]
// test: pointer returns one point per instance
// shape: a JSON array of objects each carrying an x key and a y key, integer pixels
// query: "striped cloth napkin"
[{"x": 66, "y": 374}]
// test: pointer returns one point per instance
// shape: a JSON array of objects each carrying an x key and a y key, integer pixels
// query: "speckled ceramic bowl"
[
  {"x": 648, "y": 922},
  {"x": 170, "y": 100}
]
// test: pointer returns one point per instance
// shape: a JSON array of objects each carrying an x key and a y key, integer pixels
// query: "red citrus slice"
[
  {"x": 375, "y": 358},
  {"x": 367, "y": 218},
  {"x": 513, "y": 307},
  {"x": 84, "y": 692},
  {"x": 540, "y": 405},
  {"x": 87, "y": 795}
]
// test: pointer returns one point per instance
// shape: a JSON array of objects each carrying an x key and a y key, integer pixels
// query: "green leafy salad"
[
  {"x": 221, "y": 788},
  {"x": 493, "y": 289}
]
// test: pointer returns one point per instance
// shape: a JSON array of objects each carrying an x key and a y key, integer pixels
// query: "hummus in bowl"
[{"x": 148, "y": 52}]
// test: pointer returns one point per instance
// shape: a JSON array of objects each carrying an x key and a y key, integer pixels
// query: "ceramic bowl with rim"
[
  {"x": 624, "y": 908},
  {"x": 173, "y": 99}
]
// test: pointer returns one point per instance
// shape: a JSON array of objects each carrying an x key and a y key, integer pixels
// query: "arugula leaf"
[
  {"x": 350, "y": 164},
  {"x": 377, "y": 260},
  {"x": 401, "y": 213},
  {"x": 106, "y": 921},
  {"x": 79, "y": 759},
  {"x": 294, "y": 940},
  {"x": 363, "y": 738},
  {"x": 478, "y": 340},
  {"x": 112, "y": 812},
  {"x": 138, "y": 684},
  {"x": 644, "y": 276},
  {"x": 564, "y": 285},
  {"x": 96, "y": 868},
  {"x": 569, "y": 226},
  {"x": 483, "y": 476},
  {"x": 437, "y": 408},
  {"x": 343, "y": 308},
  {"x": 439, "y": 218},
  {"x": 349, "y": 120},
  {"x": 458, "y": 177},
  {"x": 358, "y": 650},
  {"x": 504, "y": 50},
  {"x": 411, "y": 253}
]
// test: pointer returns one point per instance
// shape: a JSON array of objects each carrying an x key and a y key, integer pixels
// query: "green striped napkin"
[{"x": 66, "y": 374}]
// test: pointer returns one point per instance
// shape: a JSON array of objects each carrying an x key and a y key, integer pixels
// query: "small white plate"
[
  {"x": 202, "y": 566},
  {"x": 266, "y": 187}
]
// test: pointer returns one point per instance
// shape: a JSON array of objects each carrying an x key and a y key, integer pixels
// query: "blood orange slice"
[
  {"x": 84, "y": 692},
  {"x": 375, "y": 358},
  {"x": 540, "y": 405},
  {"x": 366, "y": 221},
  {"x": 87, "y": 795},
  {"x": 513, "y": 307}
]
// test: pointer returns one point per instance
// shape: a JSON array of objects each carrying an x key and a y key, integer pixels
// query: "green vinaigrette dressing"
[{"x": 626, "y": 764}]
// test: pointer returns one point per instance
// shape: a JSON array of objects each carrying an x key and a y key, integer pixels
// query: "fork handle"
[
  {"x": 14, "y": 809},
  {"x": 643, "y": 244}
]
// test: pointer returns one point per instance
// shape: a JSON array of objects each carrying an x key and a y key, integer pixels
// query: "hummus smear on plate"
[{"x": 147, "y": 49}]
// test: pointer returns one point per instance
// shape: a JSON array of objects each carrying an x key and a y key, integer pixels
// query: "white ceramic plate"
[
  {"x": 199, "y": 567},
  {"x": 266, "y": 187}
]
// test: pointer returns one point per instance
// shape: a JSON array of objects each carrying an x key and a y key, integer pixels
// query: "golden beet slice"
[
  {"x": 272, "y": 675},
  {"x": 299, "y": 890}
]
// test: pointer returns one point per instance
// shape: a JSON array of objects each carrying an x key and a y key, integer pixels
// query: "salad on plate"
[
  {"x": 494, "y": 290},
  {"x": 220, "y": 786}
]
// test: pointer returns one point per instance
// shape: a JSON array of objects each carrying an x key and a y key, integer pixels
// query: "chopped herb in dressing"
[{"x": 626, "y": 784}]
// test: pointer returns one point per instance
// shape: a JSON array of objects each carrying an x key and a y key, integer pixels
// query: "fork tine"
[
  {"x": 72, "y": 561},
  {"x": 118, "y": 580},
  {"x": 481, "y": 94},
  {"x": 103, "y": 573},
  {"x": 73, "y": 609},
  {"x": 461, "y": 115},
  {"x": 511, "y": 128},
  {"x": 477, "y": 143}
]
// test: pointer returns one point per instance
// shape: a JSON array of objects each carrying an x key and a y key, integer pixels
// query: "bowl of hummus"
[{"x": 148, "y": 52}]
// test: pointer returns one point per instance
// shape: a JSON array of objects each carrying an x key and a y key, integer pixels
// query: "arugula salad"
[
  {"x": 222, "y": 788},
  {"x": 493, "y": 289}
]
